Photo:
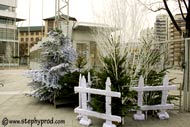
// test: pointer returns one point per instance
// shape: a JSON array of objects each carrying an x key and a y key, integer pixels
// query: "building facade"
[
  {"x": 28, "y": 37},
  {"x": 177, "y": 46},
  {"x": 161, "y": 28},
  {"x": 82, "y": 36},
  {"x": 51, "y": 24},
  {"x": 9, "y": 48},
  {"x": 170, "y": 39}
]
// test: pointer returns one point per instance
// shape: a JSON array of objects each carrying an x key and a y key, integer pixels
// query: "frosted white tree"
[{"x": 57, "y": 59}]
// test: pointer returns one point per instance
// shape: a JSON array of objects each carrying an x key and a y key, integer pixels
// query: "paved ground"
[{"x": 14, "y": 105}]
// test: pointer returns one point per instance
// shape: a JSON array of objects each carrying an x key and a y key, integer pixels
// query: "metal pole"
[
  {"x": 68, "y": 19},
  {"x": 29, "y": 33},
  {"x": 186, "y": 89},
  {"x": 18, "y": 48},
  {"x": 55, "y": 14},
  {"x": 42, "y": 18},
  {"x": 58, "y": 15},
  {"x": 14, "y": 62},
  {"x": 188, "y": 72},
  {"x": 186, "y": 77}
]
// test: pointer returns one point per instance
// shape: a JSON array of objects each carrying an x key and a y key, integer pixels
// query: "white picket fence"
[
  {"x": 84, "y": 110},
  {"x": 162, "y": 107}
]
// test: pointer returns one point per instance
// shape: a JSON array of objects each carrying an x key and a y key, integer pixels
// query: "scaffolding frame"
[{"x": 59, "y": 6}]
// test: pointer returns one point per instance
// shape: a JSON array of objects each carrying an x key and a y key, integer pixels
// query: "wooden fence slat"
[
  {"x": 154, "y": 88},
  {"x": 98, "y": 115},
  {"x": 157, "y": 107},
  {"x": 97, "y": 91}
]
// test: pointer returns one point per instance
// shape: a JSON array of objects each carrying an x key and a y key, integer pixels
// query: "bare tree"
[{"x": 183, "y": 6}]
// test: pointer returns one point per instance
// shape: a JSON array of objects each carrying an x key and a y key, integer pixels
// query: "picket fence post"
[
  {"x": 89, "y": 94},
  {"x": 163, "y": 114},
  {"x": 83, "y": 109},
  {"x": 79, "y": 116},
  {"x": 161, "y": 107},
  {"x": 139, "y": 115},
  {"x": 84, "y": 120},
  {"x": 108, "y": 123}
]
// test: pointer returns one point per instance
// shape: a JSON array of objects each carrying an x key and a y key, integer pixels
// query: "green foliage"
[
  {"x": 115, "y": 68},
  {"x": 122, "y": 74},
  {"x": 153, "y": 71},
  {"x": 68, "y": 82},
  {"x": 80, "y": 62},
  {"x": 153, "y": 79}
]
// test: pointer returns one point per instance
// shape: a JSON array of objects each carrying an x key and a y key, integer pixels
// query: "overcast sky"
[{"x": 82, "y": 10}]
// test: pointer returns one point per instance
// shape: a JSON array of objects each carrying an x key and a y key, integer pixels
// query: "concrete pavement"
[{"x": 14, "y": 105}]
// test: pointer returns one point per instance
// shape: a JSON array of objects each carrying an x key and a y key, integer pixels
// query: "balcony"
[
  {"x": 12, "y": 3},
  {"x": 7, "y": 14},
  {"x": 7, "y": 26}
]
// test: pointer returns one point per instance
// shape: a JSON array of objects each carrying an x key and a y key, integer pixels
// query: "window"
[
  {"x": 37, "y": 39},
  {"x": 7, "y": 21},
  {"x": 32, "y": 39},
  {"x": 25, "y": 45},
  {"x": 22, "y": 39},
  {"x": 22, "y": 33},
  {"x": 82, "y": 49},
  {"x": 7, "y": 8},
  {"x": 13, "y": 9},
  {"x": 50, "y": 24},
  {"x": 10, "y": 22},
  {"x": 31, "y": 33},
  {"x": 93, "y": 53},
  {"x": 2, "y": 21},
  {"x": 37, "y": 33},
  {"x": 4, "y": 7},
  {"x": 26, "y": 39},
  {"x": 31, "y": 45}
]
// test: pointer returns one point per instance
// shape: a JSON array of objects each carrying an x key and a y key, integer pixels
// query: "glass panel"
[
  {"x": 7, "y": 33},
  {"x": 82, "y": 49},
  {"x": 93, "y": 54},
  {"x": 4, "y": 7}
]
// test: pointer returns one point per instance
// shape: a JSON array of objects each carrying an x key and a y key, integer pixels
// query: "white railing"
[
  {"x": 162, "y": 107},
  {"x": 84, "y": 97}
]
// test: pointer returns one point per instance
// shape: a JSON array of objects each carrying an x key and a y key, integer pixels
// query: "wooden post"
[
  {"x": 80, "y": 103},
  {"x": 139, "y": 115},
  {"x": 186, "y": 77},
  {"x": 163, "y": 114},
  {"x": 188, "y": 73},
  {"x": 108, "y": 123},
  {"x": 89, "y": 86},
  {"x": 84, "y": 120}
]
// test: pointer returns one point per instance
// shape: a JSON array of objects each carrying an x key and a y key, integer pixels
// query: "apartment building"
[
  {"x": 28, "y": 37},
  {"x": 177, "y": 46},
  {"x": 9, "y": 48},
  {"x": 161, "y": 27},
  {"x": 166, "y": 32}
]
